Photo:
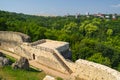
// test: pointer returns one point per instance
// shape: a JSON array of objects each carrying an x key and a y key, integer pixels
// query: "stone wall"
[
  {"x": 67, "y": 54},
  {"x": 9, "y": 45},
  {"x": 13, "y": 36},
  {"x": 87, "y": 70},
  {"x": 37, "y": 42},
  {"x": 82, "y": 69},
  {"x": 44, "y": 56},
  {"x": 52, "y": 58}
]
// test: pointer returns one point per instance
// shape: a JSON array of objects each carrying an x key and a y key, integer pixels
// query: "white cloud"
[{"x": 116, "y": 6}]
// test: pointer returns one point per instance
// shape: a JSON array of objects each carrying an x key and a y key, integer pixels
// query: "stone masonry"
[{"x": 53, "y": 54}]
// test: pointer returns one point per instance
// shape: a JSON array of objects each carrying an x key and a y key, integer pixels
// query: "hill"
[{"x": 95, "y": 39}]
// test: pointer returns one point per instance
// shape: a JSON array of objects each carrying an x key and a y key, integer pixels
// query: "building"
[{"x": 99, "y": 15}]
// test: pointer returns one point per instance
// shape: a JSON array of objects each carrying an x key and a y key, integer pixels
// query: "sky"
[{"x": 60, "y": 7}]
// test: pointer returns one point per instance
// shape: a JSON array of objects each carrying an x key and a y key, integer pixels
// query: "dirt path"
[
  {"x": 39, "y": 66},
  {"x": 48, "y": 70}
]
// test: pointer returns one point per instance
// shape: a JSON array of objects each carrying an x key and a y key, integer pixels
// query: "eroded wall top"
[{"x": 13, "y": 36}]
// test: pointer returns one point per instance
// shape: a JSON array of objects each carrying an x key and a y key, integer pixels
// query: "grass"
[
  {"x": 7, "y": 73},
  {"x": 12, "y": 60},
  {"x": 58, "y": 78}
]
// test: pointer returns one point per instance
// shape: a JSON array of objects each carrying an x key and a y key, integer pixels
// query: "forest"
[{"x": 91, "y": 38}]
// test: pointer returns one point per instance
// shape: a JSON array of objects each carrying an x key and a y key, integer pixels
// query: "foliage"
[
  {"x": 98, "y": 58},
  {"x": 109, "y": 32},
  {"x": 90, "y": 38}
]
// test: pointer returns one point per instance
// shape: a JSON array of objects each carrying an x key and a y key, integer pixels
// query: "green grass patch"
[
  {"x": 8, "y": 73},
  {"x": 58, "y": 78},
  {"x": 11, "y": 58}
]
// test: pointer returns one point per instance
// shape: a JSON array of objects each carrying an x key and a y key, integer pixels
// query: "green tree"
[
  {"x": 98, "y": 58},
  {"x": 109, "y": 32},
  {"x": 71, "y": 27},
  {"x": 90, "y": 29}
]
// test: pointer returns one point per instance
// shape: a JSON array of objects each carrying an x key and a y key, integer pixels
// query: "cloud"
[{"x": 116, "y": 6}]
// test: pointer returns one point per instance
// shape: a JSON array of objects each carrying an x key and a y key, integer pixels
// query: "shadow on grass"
[
  {"x": 28, "y": 70},
  {"x": 33, "y": 70}
]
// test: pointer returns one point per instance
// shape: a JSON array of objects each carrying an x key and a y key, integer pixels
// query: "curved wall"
[{"x": 86, "y": 70}]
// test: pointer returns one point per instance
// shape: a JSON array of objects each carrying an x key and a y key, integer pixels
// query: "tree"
[
  {"x": 90, "y": 29},
  {"x": 71, "y": 27},
  {"x": 50, "y": 34},
  {"x": 3, "y": 25},
  {"x": 109, "y": 32},
  {"x": 98, "y": 58}
]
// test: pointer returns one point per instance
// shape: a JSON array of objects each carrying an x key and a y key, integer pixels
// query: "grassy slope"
[{"x": 8, "y": 73}]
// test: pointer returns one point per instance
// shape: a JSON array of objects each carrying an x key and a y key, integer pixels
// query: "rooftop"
[{"x": 52, "y": 44}]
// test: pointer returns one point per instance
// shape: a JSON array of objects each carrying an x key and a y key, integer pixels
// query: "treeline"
[{"x": 92, "y": 38}]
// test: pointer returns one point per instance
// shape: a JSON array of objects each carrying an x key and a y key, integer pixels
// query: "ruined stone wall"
[
  {"x": 37, "y": 42},
  {"x": 63, "y": 48},
  {"x": 8, "y": 45},
  {"x": 22, "y": 52},
  {"x": 87, "y": 70},
  {"x": 45, "y": 57},
  {"x": 67, "y": 54},
  {"x": 13, "y": 36},
  {"x": 12, "y": 41},
  {"x": 81, "y": 69}
]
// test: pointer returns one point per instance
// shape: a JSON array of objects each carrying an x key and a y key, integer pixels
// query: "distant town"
[
  {"x": 99, "y": 15},
  {"x": 77, "y": 15}
]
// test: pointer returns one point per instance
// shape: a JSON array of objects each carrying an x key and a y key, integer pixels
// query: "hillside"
[{"x": 95, "y": 39}]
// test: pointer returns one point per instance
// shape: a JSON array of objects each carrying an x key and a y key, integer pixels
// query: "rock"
[
  {"x": 6, "y": 61},
  {"x": 21, "y": 64},
  {"x": 47, "y": 77},
  {"x": 14, "y": 66},
  {"x": 1, "y": 59},
  {"x": 1, "y": 64}
]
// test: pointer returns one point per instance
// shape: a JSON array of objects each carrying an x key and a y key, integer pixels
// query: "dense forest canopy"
[{"x": 91, "y": 38}]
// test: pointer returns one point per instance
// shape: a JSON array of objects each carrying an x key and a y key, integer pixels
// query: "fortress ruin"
[{"x": 54, "y": 55}]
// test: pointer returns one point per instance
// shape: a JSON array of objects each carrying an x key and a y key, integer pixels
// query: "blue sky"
[{"x": 60, "y": 7}]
